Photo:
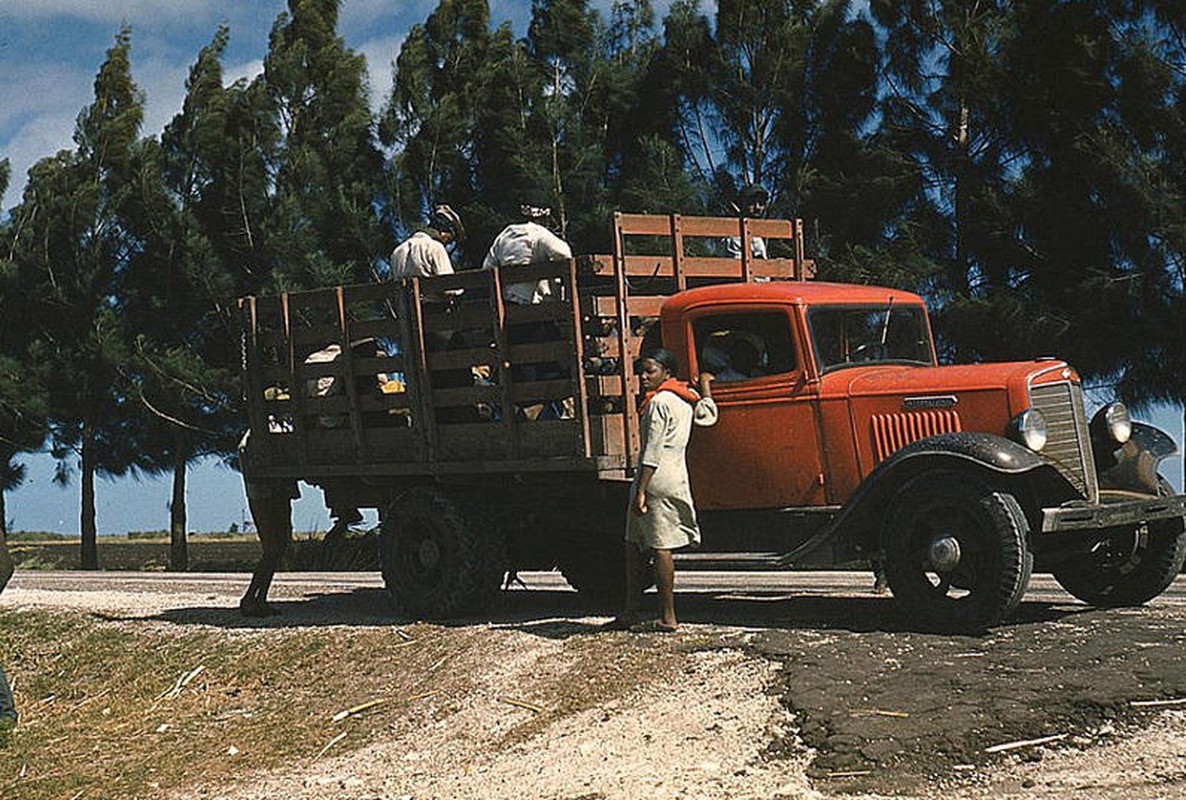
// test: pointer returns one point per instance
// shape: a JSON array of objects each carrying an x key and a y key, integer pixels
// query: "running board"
[{"x": 729, "y": 562}]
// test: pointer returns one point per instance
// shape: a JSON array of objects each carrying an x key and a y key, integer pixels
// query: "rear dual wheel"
[
  {"x": 441, "y": 556},
  {"x": 956, "y": 550}
]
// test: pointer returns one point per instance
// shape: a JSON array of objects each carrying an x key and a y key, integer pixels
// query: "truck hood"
[{"x": 899, "y": 380}]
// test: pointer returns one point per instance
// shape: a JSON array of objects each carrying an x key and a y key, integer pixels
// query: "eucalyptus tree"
[
  {"x": 327, "y": 172},
  {"x": 1031, "y": 126},
  {"x": 69, "y": 253},
  {"x": 576, "y": 112},
  {"x": 431, "y": 119},
  {"x": 23, "y": 402},
  {"x": 178, "y": 292}
]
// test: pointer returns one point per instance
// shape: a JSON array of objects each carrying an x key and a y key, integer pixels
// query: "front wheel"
[
  {"x": 1128, "y": 567},
  {"x": 440, "y": 557},
  {"x": 956, "y": 550}
]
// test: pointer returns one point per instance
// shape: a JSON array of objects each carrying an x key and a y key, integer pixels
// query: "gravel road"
[{"x": 779, "y": 685}]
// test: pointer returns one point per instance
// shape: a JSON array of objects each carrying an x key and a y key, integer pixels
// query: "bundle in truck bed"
[{"x": 439, "y": 376}]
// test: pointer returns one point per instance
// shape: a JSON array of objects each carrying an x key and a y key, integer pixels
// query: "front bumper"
[{"x": 1130, "y": 510}]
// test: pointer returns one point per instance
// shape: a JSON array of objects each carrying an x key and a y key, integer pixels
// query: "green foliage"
[{"x": 322, "y": 228}]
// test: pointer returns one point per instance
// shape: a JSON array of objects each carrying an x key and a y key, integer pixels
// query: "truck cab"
[{"x": 958, "y": 478}]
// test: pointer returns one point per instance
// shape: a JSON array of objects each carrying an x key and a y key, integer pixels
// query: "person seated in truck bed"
[
  {"x": 521, "y": 244},
  {"x": 528, "y": 242},
  {"x": 425, "y": 253},
  {"x": 751, "y": 203}
]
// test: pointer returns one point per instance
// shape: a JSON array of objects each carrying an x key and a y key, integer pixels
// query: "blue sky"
[{"x": 50, "y": 51}]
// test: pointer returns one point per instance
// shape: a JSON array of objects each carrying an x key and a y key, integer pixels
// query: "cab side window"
[{"x": 742, "y": 347}]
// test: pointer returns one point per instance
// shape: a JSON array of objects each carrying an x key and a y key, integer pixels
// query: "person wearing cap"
[
  {"x": 528, "y": 242},
  {"x": 424, "y": 253},
  {"x": 751, "y": 203}
]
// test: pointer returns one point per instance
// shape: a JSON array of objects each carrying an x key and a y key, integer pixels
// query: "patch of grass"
[
  {"x": 106, "y": 710},
  {"x": 217, "y": 553}
]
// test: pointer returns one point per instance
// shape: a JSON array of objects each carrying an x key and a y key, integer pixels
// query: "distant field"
[{"x": 219, "y": 553}]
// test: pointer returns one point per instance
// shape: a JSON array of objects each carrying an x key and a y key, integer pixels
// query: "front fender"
[
  {"x": 985, "y": 453},
  {"x": 1133, "y": 466}
]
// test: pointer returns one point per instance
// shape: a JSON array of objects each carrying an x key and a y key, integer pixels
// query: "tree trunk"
[
  {"x": 959, "y": 270},
  {"x": 178, "y": 544},
  {"x": 90, "y": 548},
  {"x": 3, "y": 515}
]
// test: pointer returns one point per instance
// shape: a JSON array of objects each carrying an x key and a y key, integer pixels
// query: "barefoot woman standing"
[{"x": 661, "y": 517}]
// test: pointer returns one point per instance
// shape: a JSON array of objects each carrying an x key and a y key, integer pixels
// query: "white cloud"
[
  {"x": 247, "y": 71},
  {"x": 37, "y": 116},
  {"x": 380, "y": 55}
]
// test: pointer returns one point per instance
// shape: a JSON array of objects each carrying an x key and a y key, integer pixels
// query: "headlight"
[
  {"x": 1112, "y": 424},
  {"x": 1029, "y": 428}
]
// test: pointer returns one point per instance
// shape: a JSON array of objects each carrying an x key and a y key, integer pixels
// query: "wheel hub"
[
  {"x": 944, "y": 553},
  {"x": 429, "y": 553}
]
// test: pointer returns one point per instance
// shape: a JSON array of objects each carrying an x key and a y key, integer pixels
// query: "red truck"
[{"x": 487, "y": 447}]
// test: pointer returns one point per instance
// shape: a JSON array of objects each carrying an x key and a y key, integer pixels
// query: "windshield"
[{"x": 846, "y": 336}]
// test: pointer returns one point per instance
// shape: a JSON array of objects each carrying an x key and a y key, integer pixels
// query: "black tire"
[
  {"x": 991, "y": 572},
  {"x": 440, "y": 556},
  {"x": 1128, "y": 567}
]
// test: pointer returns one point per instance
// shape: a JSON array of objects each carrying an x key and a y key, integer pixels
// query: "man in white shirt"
[
  {"x": 528, "y": 242},
  {"x": 751, "y": 203},
  {"x": 424, "y": 253}
]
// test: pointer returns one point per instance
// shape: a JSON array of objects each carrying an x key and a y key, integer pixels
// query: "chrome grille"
[
  {"x": 1068, "y": 443},
  {"x": 894, "y": 431}
]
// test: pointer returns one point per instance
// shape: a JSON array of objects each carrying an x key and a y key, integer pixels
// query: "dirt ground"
[{"x": 808, "y": 695}]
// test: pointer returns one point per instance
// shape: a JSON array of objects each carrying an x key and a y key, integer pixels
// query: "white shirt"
[
  {"x": 757, "y": 246},
  {"x": 420, "y": 256},
  {"x": 521, "y": 244}
]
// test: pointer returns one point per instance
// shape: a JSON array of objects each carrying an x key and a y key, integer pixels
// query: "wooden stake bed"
[{"x": 440, "y": 377}]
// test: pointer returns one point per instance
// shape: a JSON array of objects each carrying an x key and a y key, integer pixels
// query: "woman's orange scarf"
[{"x": 681, "y": 389}]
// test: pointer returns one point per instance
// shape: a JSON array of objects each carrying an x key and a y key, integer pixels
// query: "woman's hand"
[
  {"x": 640, "y": 503},
  {"x": 706, "y": 379}
]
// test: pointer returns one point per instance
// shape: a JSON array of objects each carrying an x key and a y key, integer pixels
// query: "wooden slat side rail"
[
  {"x": 509, "y": 428},
  {"x": 372, "y": 292},
  {"x": 460, "y": 318},
  {"x": 373, "y": 365},
  {"x": 329, "y": 404},
  {"x": 351, "y": 386},
  {"x": 584, "y": 443},
  {"x": 468, "y": 281},
  {"x": 535, "y": 353},
  {"x": 385, "y": 402},
  {"x": 461, "y": 359},
  {"x": 636, "y": 306},
  {"x": 541, "y": 312},
  {"x": 530, "y": 273},
  {"x": 604, "y": 385},
  {"x": 375, "y": 328},
  {"x": 622, "y": 313},
  {"x": 541, "y": 391},
  {"x": 659, "y": 266},
  {"x": 706, "y": 227},
  {"x": 726, "y": 227}
]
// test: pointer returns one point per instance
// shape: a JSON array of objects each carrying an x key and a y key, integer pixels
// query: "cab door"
[{"x": 764, "y": 450}]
